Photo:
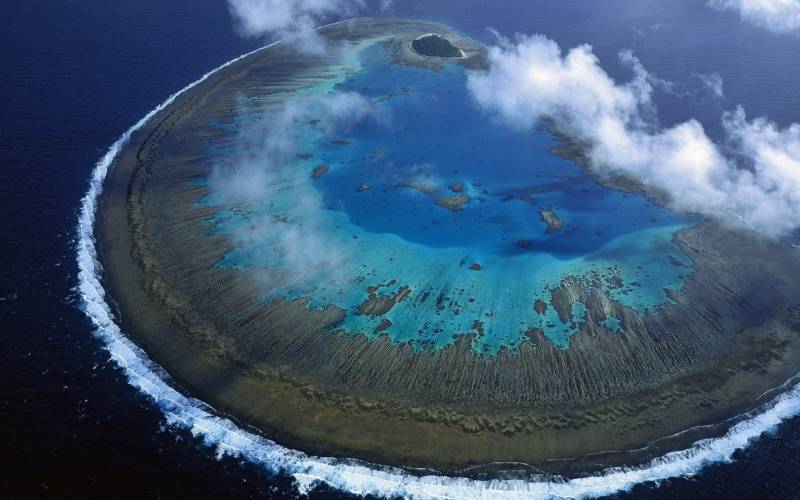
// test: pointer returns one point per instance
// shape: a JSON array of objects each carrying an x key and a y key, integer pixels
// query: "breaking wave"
[{"x": 348, "y": 475}]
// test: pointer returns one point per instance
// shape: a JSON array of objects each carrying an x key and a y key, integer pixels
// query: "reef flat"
[{"x": 572, "y": 344}]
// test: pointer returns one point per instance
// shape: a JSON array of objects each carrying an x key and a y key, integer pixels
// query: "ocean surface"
[{"x": 77, "y": 74}]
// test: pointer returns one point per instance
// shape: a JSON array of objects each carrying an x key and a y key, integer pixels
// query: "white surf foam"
[{"x": 352, "y": 476}]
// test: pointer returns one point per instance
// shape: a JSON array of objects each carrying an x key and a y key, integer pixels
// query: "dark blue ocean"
[{"x": 77, "y": 73}]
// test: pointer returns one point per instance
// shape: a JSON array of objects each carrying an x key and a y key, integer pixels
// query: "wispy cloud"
[
  {"x": 294, "y": 243},
  {"x": 293, "y": 20},
  {"x": 713, "y": 83},
  {"x": 779, "y": 16},
  {"x": 754, "y": 182}
]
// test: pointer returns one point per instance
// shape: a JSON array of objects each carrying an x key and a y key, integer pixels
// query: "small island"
[{"x": 433, "y": 45}]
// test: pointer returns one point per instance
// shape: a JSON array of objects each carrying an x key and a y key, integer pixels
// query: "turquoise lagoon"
[{"x": 374, "y": 222}]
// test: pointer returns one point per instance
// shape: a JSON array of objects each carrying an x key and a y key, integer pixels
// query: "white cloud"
[
  {"x": 779, "y": 16},
  {"x": 267, "y": 147},
  {"x": 294, "y": 20},
  {"x": 756, "y": 184},
  {"x": 296, "y": 244},
  {"x": 712, "y": 82}
]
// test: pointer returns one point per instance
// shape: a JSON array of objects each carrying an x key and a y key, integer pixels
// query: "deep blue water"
[
  {"x": 76, "y": 74},
  {"x": 438, "y": 136}
]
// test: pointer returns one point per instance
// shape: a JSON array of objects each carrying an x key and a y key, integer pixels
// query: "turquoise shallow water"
[{"x": 360, "y": 229}]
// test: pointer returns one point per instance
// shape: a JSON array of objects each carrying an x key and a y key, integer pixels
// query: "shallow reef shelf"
[{"x": 418, "y": 286}]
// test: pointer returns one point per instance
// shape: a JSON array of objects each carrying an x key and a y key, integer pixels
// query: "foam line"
[{"x": 352, "y": 476}]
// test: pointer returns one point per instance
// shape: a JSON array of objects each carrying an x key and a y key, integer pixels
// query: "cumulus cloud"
[
  {"x": 294, "y": 20},
  {"x": 266, "y": 158},
  {"x": 752, "y": 183},
  {"x": 779, "y": 16}
]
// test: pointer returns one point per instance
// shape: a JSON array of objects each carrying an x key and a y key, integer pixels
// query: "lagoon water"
[
  {"x": 77, "y": 75},
  {"x": 381, "y": 211}
]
